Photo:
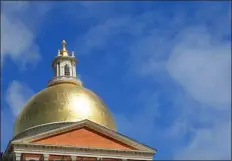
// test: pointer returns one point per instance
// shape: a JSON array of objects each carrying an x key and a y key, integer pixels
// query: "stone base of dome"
[{"x": 65, "y": 79}]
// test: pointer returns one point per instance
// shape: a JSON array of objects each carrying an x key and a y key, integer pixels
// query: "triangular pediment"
[
  {"x": 85, "y": 134},
  {"x": 83, "y": 137}
]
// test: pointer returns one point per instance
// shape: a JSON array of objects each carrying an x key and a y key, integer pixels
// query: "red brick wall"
[
  {"x": 84, "y": 138},
  {"x": 60, "y": 157}
]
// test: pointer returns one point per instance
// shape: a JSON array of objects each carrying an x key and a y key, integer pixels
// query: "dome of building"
[{"x": 64, "y": 100}]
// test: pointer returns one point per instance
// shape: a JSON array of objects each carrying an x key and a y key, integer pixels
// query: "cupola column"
[
  {"x": 74, "y": 69},
  {"x": 57, "y": 69}
]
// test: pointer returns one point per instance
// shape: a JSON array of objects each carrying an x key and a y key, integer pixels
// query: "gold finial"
[
  {"x": 64, "y": 45},
  {"x": 64, "y": 51}
]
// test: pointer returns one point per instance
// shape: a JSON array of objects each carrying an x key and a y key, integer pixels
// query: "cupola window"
[{"x": 66, "y": 70}]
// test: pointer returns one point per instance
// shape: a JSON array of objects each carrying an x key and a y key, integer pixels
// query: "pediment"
[
  {"x": 85, "y": 134},
  {"x": 83, "y": 137}
]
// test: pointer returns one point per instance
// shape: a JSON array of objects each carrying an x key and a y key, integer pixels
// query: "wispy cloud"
[
  {"x": 20, "y": 21},
  {"x": 208, "y": 143},
  {"x": 17, "y": 95},
  {"x": 187, "y": 54},
  {"x": 202, "y": 65},
  {"x": 99, "y": 36},
  {"x": 196, "y": 56}
]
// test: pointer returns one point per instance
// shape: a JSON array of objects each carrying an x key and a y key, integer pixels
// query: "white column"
[
  {"x": 62, "y": 70},
  {"x": 70, "y": 69},
  {"x": 46, "y": 157},
  {"x": 74, "y": 158},
  {"x": 18, "y": 156},
  {"x": 74, "y": 70},
  {"x": 57, "y": 70}
]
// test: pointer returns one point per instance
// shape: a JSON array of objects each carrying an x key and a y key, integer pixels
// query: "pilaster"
[
  {"x": 46, "y": 157},
  {"x": 74, "y": 158},
  {"x": 61, "y": 70},
  {"x": 18, "y": 156},
  {"x": 74, "y": 69},
  {"x": 57, "y": 70},
  {"x": 70, "y": 69}
]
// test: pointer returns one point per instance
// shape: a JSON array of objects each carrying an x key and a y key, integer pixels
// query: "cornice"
[
  {"x": 82, "y": 151},
  {"x": 57, "y": 58}
]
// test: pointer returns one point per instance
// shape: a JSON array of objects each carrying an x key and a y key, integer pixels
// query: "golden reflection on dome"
[
  {"x": 83, "y": 105},
  {"x": 63, "y": 103}
]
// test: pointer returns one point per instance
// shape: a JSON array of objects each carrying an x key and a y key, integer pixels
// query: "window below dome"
[{"x": 66, "y": 70}]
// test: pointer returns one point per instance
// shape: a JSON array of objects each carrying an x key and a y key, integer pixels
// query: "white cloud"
[
  {"x": 99, "y": 36},
  {"x": 18, "y": 42},
  {"x": 17, "y": 95},
  {"x": 208, "y": 144},
  {"x": 18, "y": 32},
  {"x": 194, "y": 59},
  {"x": 202, "y": 67},
  {"x": 200, "y": 62}
]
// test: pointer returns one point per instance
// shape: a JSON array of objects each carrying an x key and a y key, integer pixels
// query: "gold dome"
[{"x": 63, "y": 103}]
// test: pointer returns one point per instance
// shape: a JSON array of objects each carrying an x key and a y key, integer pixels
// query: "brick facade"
[{"x": 84, "y": 137}]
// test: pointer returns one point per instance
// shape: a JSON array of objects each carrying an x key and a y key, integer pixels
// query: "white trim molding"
[{"x": 83, "y": 152}]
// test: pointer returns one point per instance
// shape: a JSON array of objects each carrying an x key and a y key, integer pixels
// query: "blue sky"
[{"x": 163, "y": 69}]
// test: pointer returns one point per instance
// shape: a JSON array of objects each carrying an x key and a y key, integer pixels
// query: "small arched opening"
[{"x": 66, "y": 70}]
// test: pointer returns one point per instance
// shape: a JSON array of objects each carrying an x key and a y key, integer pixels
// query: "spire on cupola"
[
  {"x": 64, "y": 51},
  {"x": 64, "y": 67}
]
